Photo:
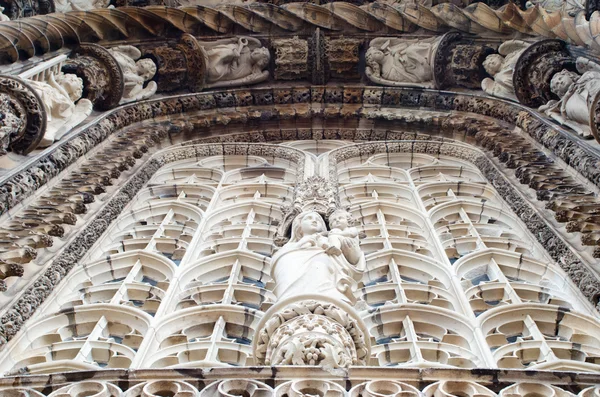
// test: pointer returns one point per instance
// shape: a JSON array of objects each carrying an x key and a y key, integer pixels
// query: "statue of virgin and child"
[{"x": 318, "y": 261}]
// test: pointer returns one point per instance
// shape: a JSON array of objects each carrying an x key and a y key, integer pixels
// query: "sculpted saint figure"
[
  {"x": 501, "y": 67},
  {"x": 576, "y": 93},
  {"x": 401, "y": 62},
  {"x": 136, "y": 72},
  {"x": 59, "y": 94},
  {"x": 236, "y": 61},
  {"x": 313, "y": 263}
]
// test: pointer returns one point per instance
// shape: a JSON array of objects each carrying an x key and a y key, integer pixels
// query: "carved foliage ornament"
[{"x": 311, "y": 332}]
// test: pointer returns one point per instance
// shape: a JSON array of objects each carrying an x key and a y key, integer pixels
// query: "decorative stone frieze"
[{"x": 342, "y": 56}]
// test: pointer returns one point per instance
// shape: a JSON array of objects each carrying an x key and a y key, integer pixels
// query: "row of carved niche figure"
[
  {"x": 397, "y": 61},
  {"x": 231, "y": 62},
  {"x": 61, "y": 93},
  {"x": 302, "y": 388}
]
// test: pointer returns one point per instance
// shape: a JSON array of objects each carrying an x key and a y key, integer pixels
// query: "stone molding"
[
  {"x": 275, "y": 381},
  {"x": 475, "y": 19}
]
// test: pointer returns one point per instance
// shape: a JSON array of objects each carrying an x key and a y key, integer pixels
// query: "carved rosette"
[
  {"x": 23, "y": 109},
  {"x": 535, "y": 68},
  {"x": 102, "y": 77},
  {"x": 291, "y": 59},
  {"x": 304, "y": 331}
]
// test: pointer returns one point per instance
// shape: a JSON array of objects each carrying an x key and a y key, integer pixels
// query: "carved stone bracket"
[
  {"x": 304, "y": 331},
  {"x": 22, "y": 109},
  {"x": 180, "y": 66},
  {"x": 102, "y": 77},
  {"x": 535, "y": 68}
]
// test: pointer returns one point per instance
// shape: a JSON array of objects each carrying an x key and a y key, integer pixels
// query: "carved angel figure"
[
  {"x": 570, "y": 7},
  {"x": 59, "y": 95},
  {"x": 312, "y": 263},
  {"x": 576, "y": 93},
  {"x": 234, "y": 62},
  {"x": 501, "y": 67},
  {"x": 136, "y": 72},
  {"x": 401, "y": 62}
]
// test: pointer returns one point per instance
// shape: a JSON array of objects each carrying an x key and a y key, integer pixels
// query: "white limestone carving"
[
  {"x": 384, "y": 388},
  {"x": 309, "y": 388},
  {"x": 536, "y": 389},
  {"x": 157, "y": 388},
  {"x": 80, "y": 5},
  {"x": 457, "y": 388},
  {"x": 65, "y": 109},
  {"x": 577, "y": 94},
  {"x": 393, "y": 61},
  {"x": 136, "y": 73},
  {"x": 3, "y": 16},
  {"x": 327, "y": 267},
  {"x": 501, "y": 67},
  {"x": 91, "y": 387},
  {"x": 300, "y": 331},
  {"x": 235, "y": 61},
  {"x": 237, "y": 387}
]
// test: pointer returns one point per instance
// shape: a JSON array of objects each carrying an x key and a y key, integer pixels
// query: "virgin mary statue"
[{"x": 309, "y": 264}]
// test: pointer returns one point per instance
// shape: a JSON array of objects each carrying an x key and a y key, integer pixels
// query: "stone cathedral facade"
[{"x": 257, "y": 198}]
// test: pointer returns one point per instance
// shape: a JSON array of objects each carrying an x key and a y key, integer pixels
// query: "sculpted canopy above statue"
[{"x": 317, "y": 261}]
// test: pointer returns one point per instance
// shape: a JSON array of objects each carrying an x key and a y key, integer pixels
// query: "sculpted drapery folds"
[
  {"x": 315, "y": 261},
  {"x": 577, "y": 94},
  {"x": 501, "y": 67},
  {"x": 236, "y": 61},
  {"x": 136, "y": 73},
  {"x": 59, "y": 95},
  {"x": 401, "y": 62}
]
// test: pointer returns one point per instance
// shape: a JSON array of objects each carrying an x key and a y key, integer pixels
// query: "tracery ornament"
[
  {"x": 155, "y": 388},
  {"x": 237, "y": 387},
  {"x": 307, "y": 388},
  {"x": 91, "y": 387},
  {"x": 21, "y": 102},
  {"x": 457, "y": 388},
  {"x": 384, "y": 388},
  {"x": 311, "y": 332}
]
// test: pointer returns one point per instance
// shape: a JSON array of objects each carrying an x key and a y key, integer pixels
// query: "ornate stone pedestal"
[{"x": 312, "y": 330}]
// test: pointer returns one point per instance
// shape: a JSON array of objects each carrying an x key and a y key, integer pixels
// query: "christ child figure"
[{"x": 339, "y": 222}]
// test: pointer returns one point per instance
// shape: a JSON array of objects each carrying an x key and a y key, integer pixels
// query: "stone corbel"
[
  {"x": 312, "y": 330},
  {"x": 22, "y": 116},
  {"x": 102, "y": 77}
]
